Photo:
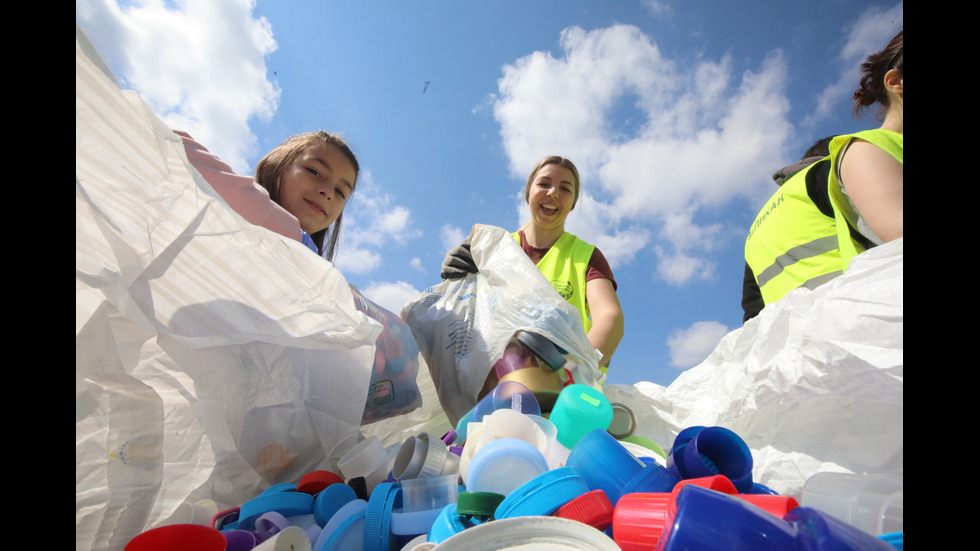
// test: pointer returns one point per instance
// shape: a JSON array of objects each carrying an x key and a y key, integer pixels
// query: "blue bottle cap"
[
  {"x": 544, "y": 494},
  {"x": 604, "y": 463},
  {"x": 653, "y": 478},
  {"x": 706, "y": 519},
  {"x": 706, "y": 451},
  {"x": 833, "y": 533}
]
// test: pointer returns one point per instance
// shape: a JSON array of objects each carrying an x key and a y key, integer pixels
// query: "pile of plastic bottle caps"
[{"x": 509, "y": 477}]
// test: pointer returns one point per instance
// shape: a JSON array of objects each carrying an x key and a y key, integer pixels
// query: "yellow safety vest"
[
  {"x": 791, "y": 243},
  {"x": 565, "y": 265},
  {"x": 888, "y": 140}
]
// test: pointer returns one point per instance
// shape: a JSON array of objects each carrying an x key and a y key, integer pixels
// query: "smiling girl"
[
  {"x": 300, "y": 187},
  {"x": 577, "y": 270}
]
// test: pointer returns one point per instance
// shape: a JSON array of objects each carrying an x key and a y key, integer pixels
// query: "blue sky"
[{"x": 675, "y": 112}]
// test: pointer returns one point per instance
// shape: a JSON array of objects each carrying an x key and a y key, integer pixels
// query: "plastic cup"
[
  {"x": 507, "y": 423},
  {"x": 504, "y": 465},
  {"x": 424, "y": 455},
  {"x": 506, "y": 395},
  {"x": 425, "y": 494},
  {"x": 579, "y": 410},
  {"x": 873, "y": 503},
  {"x": 368, "y": 458}
]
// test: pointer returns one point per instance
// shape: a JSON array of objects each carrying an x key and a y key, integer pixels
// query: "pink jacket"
[{"x": 242, "y": 193}]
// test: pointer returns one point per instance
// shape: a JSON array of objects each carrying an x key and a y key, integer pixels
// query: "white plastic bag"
[
  {"x": 462, "y": 326},
  {"x": 212, "y": 357}
]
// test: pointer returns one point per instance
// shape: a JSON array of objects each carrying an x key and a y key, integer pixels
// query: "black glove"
[{"x": 458, "y": 262}]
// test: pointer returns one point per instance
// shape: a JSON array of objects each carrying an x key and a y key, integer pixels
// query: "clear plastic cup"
[
  {"x": 871, "y": 502},
  {"x": 368, "y": 458},
  {"x": 432, "y": 492}
]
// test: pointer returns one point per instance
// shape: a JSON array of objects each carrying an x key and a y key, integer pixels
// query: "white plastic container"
[{"x": 873, "y": 503}]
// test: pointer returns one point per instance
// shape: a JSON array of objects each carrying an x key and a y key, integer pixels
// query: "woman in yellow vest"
[
  {"x": 577, "y": 270},
  {"x": 810, "y": 229}
]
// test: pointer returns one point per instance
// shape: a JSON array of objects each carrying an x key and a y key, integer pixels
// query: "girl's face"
[
  {"x": 316, "y": 185},
  {"x": 551, "y": 196}
]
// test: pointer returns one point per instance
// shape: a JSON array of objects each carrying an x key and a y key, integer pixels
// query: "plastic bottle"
[
  {"x": 699, "y": 519},
  {"x": 871, "y": 502}
]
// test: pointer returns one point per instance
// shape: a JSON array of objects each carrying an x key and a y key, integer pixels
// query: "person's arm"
[
  {"x": 607, "y": 317},
  {"x": 243, "y": 195},
  {"x": 873, "y": 180}
]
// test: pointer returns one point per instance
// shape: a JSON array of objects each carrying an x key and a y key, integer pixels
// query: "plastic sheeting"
[{"x": 212, "y": 357}]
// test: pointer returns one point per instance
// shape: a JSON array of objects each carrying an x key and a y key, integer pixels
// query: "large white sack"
[
  {"x": 814, "y": 383},
  {"x": 212, "y": 357}
]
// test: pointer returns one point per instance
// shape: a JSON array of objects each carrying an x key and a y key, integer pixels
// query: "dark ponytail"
[{"x": 873, "y": 72}]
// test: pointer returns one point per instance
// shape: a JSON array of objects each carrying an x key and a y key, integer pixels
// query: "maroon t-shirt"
[{"x": 598, "y": 265}]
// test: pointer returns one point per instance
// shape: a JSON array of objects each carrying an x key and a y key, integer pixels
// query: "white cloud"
[
  {"x": 450, "y": 236},
  {"x": 371, "y": 220},
  {"x": 391, "y": 296},
  {"x": 199, "y": 65},
  {"x": 869, "y": 33},
  {"x": 697, "y": 138},
  {"x": 689, "y": 347}
]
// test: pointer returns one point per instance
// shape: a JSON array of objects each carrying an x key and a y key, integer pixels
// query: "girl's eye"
[
  {"x": 340, "y": 192},
  {"x": 313, "y": 172}
]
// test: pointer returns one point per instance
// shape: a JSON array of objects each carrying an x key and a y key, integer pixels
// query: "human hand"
[{"x": 458, "y": 262}]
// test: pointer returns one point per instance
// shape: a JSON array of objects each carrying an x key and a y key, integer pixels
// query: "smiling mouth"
[{"x": 316, "y": 207}]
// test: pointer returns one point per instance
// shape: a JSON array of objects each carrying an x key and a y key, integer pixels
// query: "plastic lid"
[
  {"x": 592, "y": 508},
  {"x": 640, "y": 519},
  {"x": 449, "y": 523},
  {"x": 377, "y": 520},
  {"x": 315, "y": 481},
  {"x": 651, "y": 478},
  {"x": 330, "y": 500},
  {"x": 240, "y": 540},
  {"x": 623, "y": 422},
  {"x": 604, "y": 463},
  {"x": 709, "y": 451},
  {"x": 646, "y": 444},
  {"x": 775, "y": 505},
  {"x": 530, "y": 534},
  {"x": 292, "y": 538},
  {"x": 579, "y": 410},
  {"x": 547, "y": 351},
  {"x": 544, "y": 494},
  {"x": 192, "y": 537},
  {"x": 540, "y": 381},
  {"x": 480, "y": 505},
  {"x": 833, "y": 533},
  {"x": 345, "y": 529},
  {"x": 504, "y": 465},
  {"x": 704, "y": 516},
  {"x": 285, "y": 503}
]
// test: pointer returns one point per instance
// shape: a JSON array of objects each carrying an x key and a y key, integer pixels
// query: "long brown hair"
[
  {"x": 873, "y": 72},
  {"x": 270, "y": 169}
]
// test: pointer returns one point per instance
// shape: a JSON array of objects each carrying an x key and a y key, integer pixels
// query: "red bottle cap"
[{"x": 592, "y": 508}]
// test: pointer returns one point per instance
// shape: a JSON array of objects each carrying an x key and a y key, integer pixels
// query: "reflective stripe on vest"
[{"x": 791, "y": 243}]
